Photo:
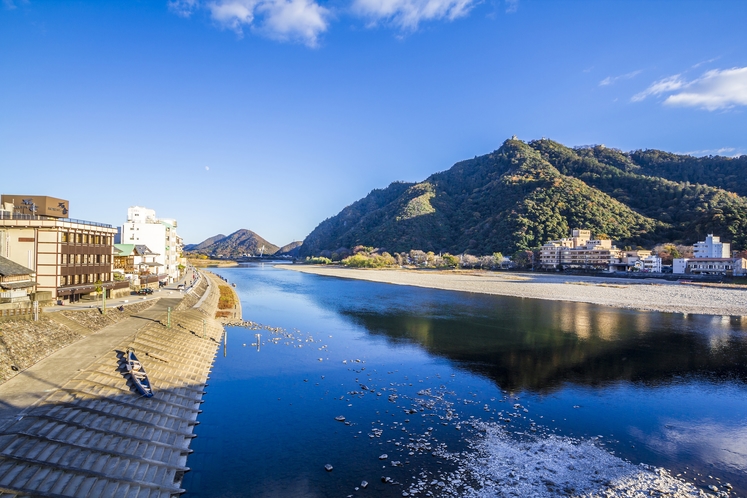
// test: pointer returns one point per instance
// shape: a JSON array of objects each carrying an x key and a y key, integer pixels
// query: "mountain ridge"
[
  {"x": 239, "y": 243},
  {"x": 524, "y": 194}
]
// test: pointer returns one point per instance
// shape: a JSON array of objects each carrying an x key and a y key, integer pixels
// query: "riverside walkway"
[{"x": 74, "y": 424}]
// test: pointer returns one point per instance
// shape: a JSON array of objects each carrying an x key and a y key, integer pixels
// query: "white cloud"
[
  {"x": 183, "y": 8},
  {"x": 512, "y": 6},
  {"x": 233, "y": 14},
  {"x": 287, "y": 20},
  {"x": 714, "y": 90},
  {"x": 207, "y": 168},
  {"x": 668, "y": 84},
  {"x": 609, "y": 80},
  {"x": 408, "y": 14}
]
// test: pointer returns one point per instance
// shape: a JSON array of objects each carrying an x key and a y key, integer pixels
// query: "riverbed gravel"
[{"x": 647, "y": 295}]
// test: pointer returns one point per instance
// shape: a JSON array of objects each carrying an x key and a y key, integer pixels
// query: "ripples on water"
[{"x": 660, "y": 389}]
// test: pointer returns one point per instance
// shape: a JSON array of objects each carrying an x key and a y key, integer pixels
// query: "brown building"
[{"x": 71, "y": 258}]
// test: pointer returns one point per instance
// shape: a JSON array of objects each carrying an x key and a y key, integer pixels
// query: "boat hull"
[{"x": 138, "y": 374}]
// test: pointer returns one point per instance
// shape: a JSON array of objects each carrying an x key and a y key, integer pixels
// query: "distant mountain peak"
[{"x": 240, "y": 243}]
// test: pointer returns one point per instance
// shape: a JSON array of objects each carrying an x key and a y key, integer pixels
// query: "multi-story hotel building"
[
  {"x": 71, "y": 258},
  {"x": 579, "y": 251}
]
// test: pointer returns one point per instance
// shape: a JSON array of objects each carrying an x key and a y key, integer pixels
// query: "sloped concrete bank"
[
  {"x": 24, "y": 343},
  {"x": 74, "y": 425}
]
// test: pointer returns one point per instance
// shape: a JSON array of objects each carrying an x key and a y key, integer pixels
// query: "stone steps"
[{"x": 96, "y": 436}]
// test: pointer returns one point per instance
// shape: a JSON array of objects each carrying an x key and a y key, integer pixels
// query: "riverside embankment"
[
  {"x": 72, "y": 424},
  {"x": 647, "y": 295}
]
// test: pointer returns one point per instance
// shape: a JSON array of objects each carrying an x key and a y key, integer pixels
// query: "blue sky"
[{"x": 273, "y": 115}]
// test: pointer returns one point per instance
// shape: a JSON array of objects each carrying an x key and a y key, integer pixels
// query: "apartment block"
[{"x": 159, "y": 234}]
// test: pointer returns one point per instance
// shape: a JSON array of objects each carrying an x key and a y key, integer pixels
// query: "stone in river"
[
  {"x": 340, "y": 418},
  {"x": 383, "y": 456},
  {"x": 328, "y": 468},
  {"x": 364, "y": 484}
]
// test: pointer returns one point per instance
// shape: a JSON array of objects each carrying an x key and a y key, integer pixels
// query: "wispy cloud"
[
  {"x": 512, "y": 6},
  {"x": 714, "y": 90},
  {"x": 286, "y": 20},
  {"x": 695, "y": 66},
  {"x": 609, "y": 80},
  {"x": 408, "y": 14},
  {"x": 723, "y": 151},
  {"x": 668, "y": 84},
  {"x": 183, "y": 8},
  {"x": 11, "y": 4}
]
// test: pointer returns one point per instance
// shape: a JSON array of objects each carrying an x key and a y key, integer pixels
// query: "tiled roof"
[{"x": 8, "y": 268}]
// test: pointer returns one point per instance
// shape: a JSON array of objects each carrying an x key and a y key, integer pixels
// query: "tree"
[
  {"x": 523, "y": 259},
  {"x": 451, "y": 261},
  {"x": 498, "y": 259},
  {"x": 469, "y": 261}
]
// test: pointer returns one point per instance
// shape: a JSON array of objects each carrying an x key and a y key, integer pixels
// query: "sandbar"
[{"x": 647, "y": 294}]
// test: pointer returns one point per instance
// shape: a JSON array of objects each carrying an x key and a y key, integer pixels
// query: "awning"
[{"x": 17, "y": 285}]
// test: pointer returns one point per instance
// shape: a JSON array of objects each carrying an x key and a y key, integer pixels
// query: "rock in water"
[
  {"x": 364, "y": 484},
  {"x": 328, "y": 468},
  {"x": 383, "y": 456},
  {"x": 340, "y": 418}
]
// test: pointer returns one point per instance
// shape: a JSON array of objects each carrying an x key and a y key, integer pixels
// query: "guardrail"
[{"x": 5, "y": 215}]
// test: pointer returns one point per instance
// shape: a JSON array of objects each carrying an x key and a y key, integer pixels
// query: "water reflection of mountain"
[{"x": 539, "y": 345}]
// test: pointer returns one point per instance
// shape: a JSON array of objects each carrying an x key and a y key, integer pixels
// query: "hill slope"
[
  {"x": 237, "y": 244},
  {"x": 204, "y": 244},
  {"x": 522, "y": 195}
]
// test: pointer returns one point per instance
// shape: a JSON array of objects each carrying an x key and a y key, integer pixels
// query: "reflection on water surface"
[{"x": 663, "y": 389}]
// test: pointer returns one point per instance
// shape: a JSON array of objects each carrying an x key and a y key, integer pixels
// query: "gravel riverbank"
[{"x": 647, "y": 295}]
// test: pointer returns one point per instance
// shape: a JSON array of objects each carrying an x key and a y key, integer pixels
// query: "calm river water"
[{"x": 414, "y": 371}]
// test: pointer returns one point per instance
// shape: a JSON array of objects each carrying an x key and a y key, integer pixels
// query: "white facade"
[
  {"x": 712, "y": 247},
  {"x": 679, "y": 265},
  {"x": 651, "y": 264},
  {"x": 160, "y": 236}
]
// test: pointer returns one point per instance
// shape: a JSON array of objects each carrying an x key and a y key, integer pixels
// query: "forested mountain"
[
  {"x": 204, "y": 244},
  {"x": 237, "y": 244},
  {"x": 524, "y": 194}
]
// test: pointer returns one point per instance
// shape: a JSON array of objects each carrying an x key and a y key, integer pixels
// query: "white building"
[
  {"x": 712, "y": 247},
  {"x": 144, "y": 228},
  {"x": 679, "y": 265},
  {"x": 711, "y": 256},
  {"x": 649, "y": 264}
]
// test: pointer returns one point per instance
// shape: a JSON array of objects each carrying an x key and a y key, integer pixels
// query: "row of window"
[
  {"x": 711, "y": 267},
  {"x": 85, "y": 259},
  {"x": 85, "y": 238},
  {"x": 90, "y": 278}
]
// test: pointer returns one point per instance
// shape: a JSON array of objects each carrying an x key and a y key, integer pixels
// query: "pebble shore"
[{"x": 646, "y": 295}]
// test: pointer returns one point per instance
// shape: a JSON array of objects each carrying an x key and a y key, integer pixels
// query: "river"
[{"x": 424, "y": 377}]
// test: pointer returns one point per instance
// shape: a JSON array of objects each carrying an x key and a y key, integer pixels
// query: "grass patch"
[{"x": 227, "y": 299}]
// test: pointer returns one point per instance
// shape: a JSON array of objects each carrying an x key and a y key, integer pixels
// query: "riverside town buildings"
[
  {"x": 136, "y": 263},
  {"x": 70, "y": 258},
  {"x": 159, "y": 235},
  {"x": 580, "y": 251},
  {"x": 711, "y": 257}
]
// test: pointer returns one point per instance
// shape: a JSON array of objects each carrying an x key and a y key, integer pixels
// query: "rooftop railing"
[{"x": 8, "y": 215}]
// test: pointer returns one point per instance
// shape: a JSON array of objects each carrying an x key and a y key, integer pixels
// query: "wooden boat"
[{"x": 137, "y": 372}]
